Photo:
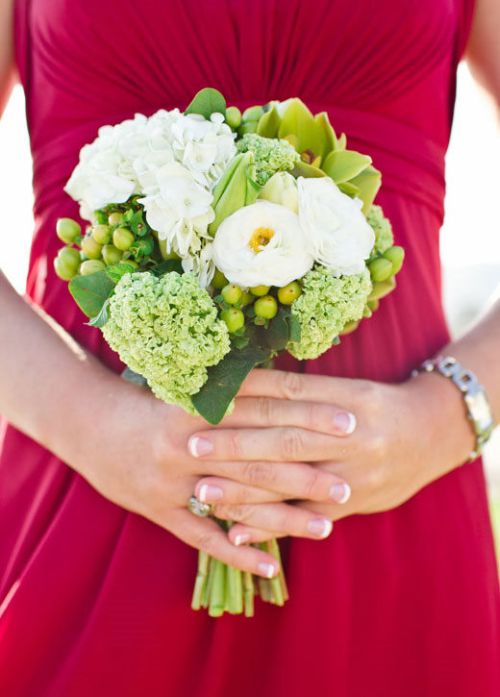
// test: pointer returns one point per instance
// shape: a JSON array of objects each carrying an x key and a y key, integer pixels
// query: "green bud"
[
  {"x": 373, "y": 304},
  {"x": 219, "y": 280},
  {"x": 380, "y": 290},
  {"x": 144, "y": 247},
  {"x": 288, "y": 294},
  {"x": 234, "y": 319},
  {"x": 231, "y": 293},
  {"x": 123, "y": 239},
  {"x": 91, "y": 248},
  {"x": 65, "y": 267},
  {"x": 68, "y": 230},
  {"x": 266, "y": 307},
  {"x": 281, "y": 188},
  {"x": 233, "y": 117},
  {"x": 91, "y": 266},
  {"x": 111, "y": 254},
  {"x": 248, "y": 127},
  {"x": 396, "y": 256},
  {"x": 253, "y": 113},
  {"x": 349, "y": 328},
  {"x": 380, "y": 269},
  {"x": 230, "y": 193},
  {"x": 70, "y": 256},
  {"x": 101, "y": 234},
  {"x": 259, "y": 291},
  {"x": 116, "y": 218}
]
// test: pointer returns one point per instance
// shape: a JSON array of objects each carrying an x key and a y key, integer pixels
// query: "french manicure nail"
[
  {"x": 267, "y": 570},
  {"x": 241, "y": 539},
  {"x": 340, "y": 492},
  {"x": 320, "y": 527},
  {"x": 209, "y": 493},
  {"x": 345, "y": 421},
  {"x": 199, "y": 446}
]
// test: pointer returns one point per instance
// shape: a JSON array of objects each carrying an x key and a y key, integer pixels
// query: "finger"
[
  {"x": 245, "y": 535},
  {"x": 263, "y": 482},
  {"x": 290, "y": 444},
  {"x": 208, "y": 536},
  {"x": 317, "y": 416},
  {"x": 305, "y": 387},
  {"x": 277, "y": 518}
]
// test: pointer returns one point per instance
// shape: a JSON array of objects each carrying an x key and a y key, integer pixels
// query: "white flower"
[
  {"x": 338, "y": 235},
  {"x": 201, "y": 264},
  {"x": 177, "y": 207},
  {"x": 261, "y": 244},
  {"x": 281, "y": 188}
]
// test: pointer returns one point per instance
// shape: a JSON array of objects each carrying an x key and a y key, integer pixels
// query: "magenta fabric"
[{"x": 96, "y": 599}]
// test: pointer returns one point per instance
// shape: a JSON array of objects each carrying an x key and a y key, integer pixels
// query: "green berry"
[
  {"x": 234, "y": 319},
  {"x": 68, "y": 230},
  {"x": 101, "y": 234},
  {"x": 253, "y": 113},
  {"x": 231, "y": 294},
  {"x": 246, "y": 299},
  {"x": 288, "y": 294},
  {"x": 380, "y": 269},
  {"x": 70, "y": 256},
  {"x": 233, "y": 117},
  {"x": 91, "y": 266},
  {"x": 266, "y": 307},
  {"x": 111, "y": 254},
  {"x": 396, "y": 256},
  {"x": 123, "y": 239},
  {"x": 259, "y": 291},
  {"x": 91, "y": 248},
  {"x": 115, "y": 218},
  {"x": 219, "y": 280},
  {"x": 380, "y": 290}
]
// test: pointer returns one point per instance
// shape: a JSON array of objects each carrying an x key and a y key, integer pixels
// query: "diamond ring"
[{"x": 199, "y": 508}]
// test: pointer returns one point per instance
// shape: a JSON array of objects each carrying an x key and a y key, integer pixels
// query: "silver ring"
[{"x": 199, "y": 508}]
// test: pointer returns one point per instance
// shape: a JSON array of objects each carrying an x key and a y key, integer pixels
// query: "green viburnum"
[
  {"x": 326, "y": 305},
  {"x": 381, "y": 227},
  {"x": 167, "y": 330},
  {"x": 271, "y": 155}
]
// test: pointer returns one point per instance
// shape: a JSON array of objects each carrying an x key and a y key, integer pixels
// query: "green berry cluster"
[
  {"x": 257, "y": 305},
  {"x": 119, "y": 233}
]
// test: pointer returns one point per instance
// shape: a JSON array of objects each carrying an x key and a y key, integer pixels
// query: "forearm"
[{"x": 46, "y": 379}]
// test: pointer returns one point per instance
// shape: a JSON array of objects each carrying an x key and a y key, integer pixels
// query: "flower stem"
[
  {"x": 201, "y": 580},
  {"x": 234, "y": 591},
  {"x": 217, "y": 601},
  {"x": 249, "y": 592}
]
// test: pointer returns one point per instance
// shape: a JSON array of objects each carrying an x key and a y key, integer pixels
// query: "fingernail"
[
  {"x": 241, "y": 539},
  {"x": 320, "y": 527},
  {"x": 267, "y": 570},
  {"x": 199, "y": 446},
  {"x": 345, "y": 421},
  {"x": 340, "y": 492},
  {"x": 209, "y": 493}
]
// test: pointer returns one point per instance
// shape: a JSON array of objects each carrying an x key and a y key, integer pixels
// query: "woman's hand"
[{"x": 397, "y": 439}]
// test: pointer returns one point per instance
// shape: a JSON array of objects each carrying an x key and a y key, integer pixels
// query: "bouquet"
[{"x": 215, "y": 241}]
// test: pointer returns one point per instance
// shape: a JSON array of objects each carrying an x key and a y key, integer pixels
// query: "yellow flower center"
[{"x": 260, "y": 238}]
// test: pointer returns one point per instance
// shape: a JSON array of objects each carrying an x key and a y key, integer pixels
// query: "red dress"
[{"x": 96, "y": 599}]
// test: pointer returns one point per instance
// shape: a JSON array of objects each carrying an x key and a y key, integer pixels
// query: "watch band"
[{"x": 478, "y": 408}]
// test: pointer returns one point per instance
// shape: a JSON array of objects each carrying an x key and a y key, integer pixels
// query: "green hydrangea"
[
  {"x": 271, "y": 155},
  {"x": 167, "y": 330},
  {"x": 326, "y": 305},
  {"x": 381, "y": 227}
]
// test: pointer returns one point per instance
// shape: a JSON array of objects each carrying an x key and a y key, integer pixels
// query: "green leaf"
[
  {"x": 269, "y": 123},
  {"x": 207, "y": 102},
  {"x": 116, "y": 271},
  {"x": 136, "y": 378},
  {"x": 328, "y": 132},
  {"x": 167, "y": 266},
  {"x": 368, "y": 183},
  {"x": 103, "y": 316},
  {"x": 224, "y": 381},
  {"x": 343, "y": 165},
  {"x": 91, "y": 292},
  {"x": 295, "y": 330},
  {"x": 349, "y": 189},
  {"x": 278, "y": 332},
  {"x": 303, "y": 169},
  {"x": 299, "y": 121}
]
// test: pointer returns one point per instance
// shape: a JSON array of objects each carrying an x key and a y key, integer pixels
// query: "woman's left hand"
[{"x": 402, "y": 437}]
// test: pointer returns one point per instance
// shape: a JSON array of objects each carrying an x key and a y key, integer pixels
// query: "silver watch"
[{"x": 478, "y": 408}]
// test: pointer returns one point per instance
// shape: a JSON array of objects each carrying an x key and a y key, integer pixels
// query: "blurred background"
[{"x": 470, "y": 241}]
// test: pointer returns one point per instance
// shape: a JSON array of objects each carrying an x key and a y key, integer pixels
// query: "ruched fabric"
[{"x": 95, "y": 600}]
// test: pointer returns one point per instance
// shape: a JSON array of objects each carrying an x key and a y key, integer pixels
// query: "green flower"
[
  {"x": 167, "y": 330},
  {"x": 381, "y": 227},
  {"x": 271, "y": 155},
  {"x": 326, "y": 305}
]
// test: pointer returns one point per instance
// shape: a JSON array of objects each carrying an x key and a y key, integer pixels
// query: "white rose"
[
  {"x": 261, "y": 244},
  {"x": 177, "y": 207},
  {"x": 338, "y": 235}
]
